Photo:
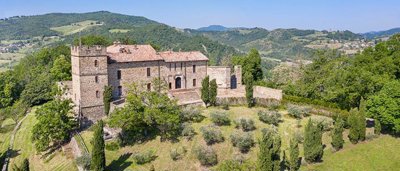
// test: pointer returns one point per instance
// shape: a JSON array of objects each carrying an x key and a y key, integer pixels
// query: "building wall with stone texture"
[
  {"x": 222, "y": 74},
  {"x": 170, "y": 73},
  {"x": 132, "y": 72}
]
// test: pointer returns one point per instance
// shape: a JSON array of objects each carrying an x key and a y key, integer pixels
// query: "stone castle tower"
[{"x": 89, "y": 76}]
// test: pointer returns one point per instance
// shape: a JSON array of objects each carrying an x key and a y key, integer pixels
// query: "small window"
[
  {"x": 194, "y": 68},
  {"x": 194, "y": 82},
  {"x": 96, "y": 79},
  {"x": 170, "y": 86},
  {"x": 96, "y": 63},
  {"x": 148, "y": 86},
  {"x": 119, "y": 90},
  {"x": 181, "y": 66},
  {"x": 175, "y": 66},
  {"x": 119, "y": 74},
  {"x": 148, "y": 72},
  {"x": 170, "y": 66},
  {"x": 97, "y": 94}
]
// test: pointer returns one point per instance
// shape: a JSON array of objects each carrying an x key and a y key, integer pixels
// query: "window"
[
  {"x": 119, "y": 90},
  {"x": 96, "y": 79},
  {"x": 175, "y": 66},
  {"x": 148, "y": 72},
  {"x": 96, "y": 63},
  {"x": 194, "y": 82},
  {"x": 170, "y": 86},
  {"x": 119, "y": 74},
  {"x": 194, "y": 68},
  {"x": 97, "y": 94},
  {"x": 170, "y": 66},
  {"x": 148, "y": 86},
  {"x": 181, "y": 66}
]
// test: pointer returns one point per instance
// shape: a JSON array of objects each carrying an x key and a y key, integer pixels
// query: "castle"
[{"x": 117, "y": 65}]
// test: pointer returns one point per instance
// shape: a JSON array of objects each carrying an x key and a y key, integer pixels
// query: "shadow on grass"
[
  {"x": 120, "y": 164},
  {"x": 14, "y": 153}
]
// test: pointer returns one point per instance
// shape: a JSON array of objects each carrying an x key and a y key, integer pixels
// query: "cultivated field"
[{"x": 75, "y": 27}]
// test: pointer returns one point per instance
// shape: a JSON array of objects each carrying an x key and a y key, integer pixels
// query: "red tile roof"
[
  {"x": 170, "y": 56},
  {"x": 136, "y": 53},
  {"x": 132, "y": 53}
]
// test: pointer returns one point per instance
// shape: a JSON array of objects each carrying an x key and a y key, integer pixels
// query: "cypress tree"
[
  {"x": 98, "y": 162},
  {"x": 248, "y": 78},
  {"x": 313, "y": 148},
  {"x": 205, "y": 86},
  {"x": 25, "y": 165},
  {"x": 353, "y": 123},
  {"x": 361, "y": 120},
  {"x": 337, "y": 134},
  {"x": 107, "y": 97},
  {"x": 213, "y": 92},
  {"x": 377, "y": 129},
  {"x": 294, "y": 154},
  {"x": 269, "y": 155}
]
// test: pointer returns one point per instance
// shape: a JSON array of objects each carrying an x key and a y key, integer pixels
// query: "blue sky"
[{"x": 354, "y": 15}]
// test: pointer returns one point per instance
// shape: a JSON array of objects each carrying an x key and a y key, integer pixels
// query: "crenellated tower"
[{"x": 89, "y": 76}]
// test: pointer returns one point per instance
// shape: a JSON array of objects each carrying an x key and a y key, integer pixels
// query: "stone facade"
[
  {"x": 95, "y": 67},
  {"x": 225, "y": 77}
]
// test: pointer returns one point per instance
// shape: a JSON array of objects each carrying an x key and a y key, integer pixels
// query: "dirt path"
[{"x": 10, "y": 147}]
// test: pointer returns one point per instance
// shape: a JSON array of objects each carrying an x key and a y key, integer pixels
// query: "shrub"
[
  {"x": 188, "y": 131},
  {"x": 298, "y": 136},
  {"x": 325, "y": 123},
  {"x": 220, "y": 118},
  {"x": 298, "y": 112},
  {"x": 192, "y": 114},
  {"x": 243, "y": 140},
  {"x": 377, "y": 128},
  {"x": 211, "y": 134},
  {"x": 83, "y": 161},
  {"x": 143, "y": 158},
  {"x": 112, "y": 146},
  {"x": 225, "y": 106},
  {"x": 234, "y": 165},
  {"x": 177, "y": 153},
  {"x": 246, "y": 124},
  {"x": 269, "y": 117},
  {"x": 206, "y": 155}
]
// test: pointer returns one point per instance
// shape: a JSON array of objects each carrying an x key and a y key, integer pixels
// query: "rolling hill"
[{"x": 377, "y": 34}]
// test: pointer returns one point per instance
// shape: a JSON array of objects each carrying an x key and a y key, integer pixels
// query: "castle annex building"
[{"x": 117, "y": 65}]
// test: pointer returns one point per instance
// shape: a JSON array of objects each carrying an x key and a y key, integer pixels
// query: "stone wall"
[
  {"x": 267, "y": 93},
  {"x": 186, "y": 73},
  {"x": 222, "y": 74}
]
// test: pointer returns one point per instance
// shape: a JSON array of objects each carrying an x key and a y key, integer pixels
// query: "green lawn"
[
  {"x": 23, "y": 148},
  {"x": 382, "y": 153},
  {"x": 119, "y": 30},
  {"x": 75, "y": 27}
]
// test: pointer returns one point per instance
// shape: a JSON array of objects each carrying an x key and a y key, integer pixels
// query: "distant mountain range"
[
  {"x": 216, "y": 41},
  {"x": 377, "y": 34}
]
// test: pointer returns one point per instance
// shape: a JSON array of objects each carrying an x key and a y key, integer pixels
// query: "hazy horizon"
[{"x": 357, "y": 16}]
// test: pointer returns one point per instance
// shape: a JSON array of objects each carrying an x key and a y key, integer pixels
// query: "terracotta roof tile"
[
  {"x": 132, "y": 53},
  {"x": 170, "y": 56}
]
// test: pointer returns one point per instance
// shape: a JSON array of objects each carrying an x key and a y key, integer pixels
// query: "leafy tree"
[
  {"x": 337, "y": 134},
  {"x": 249, "y": 89},
  {"x": 294, "y": 154},
  {"x": 9, "y": 89},
  {"x": 147, "y": 112},
  {"x": 53, "y": 126},
  {"x": 269, "y": 155},
  {"x": 384, "y": 107},
  {"x": 361, "y": 119},
  {"x": 16, "y": 111},
  {"x": 98, "y": 160},
  {"x": 91, "y": 40},
  {"x": 107, "y": 98},
  {"x": 205, "y": 90},
  {"x": 353, "y": 121},
  {"x": 313, "y": 148},
  {"x": 377, "y": 129},
  {"x": 213, "y": 92},
  {"x": 61, "y": 69},
  {"x": 39, "y": 90},
  {"x": 251, "y": 64}
]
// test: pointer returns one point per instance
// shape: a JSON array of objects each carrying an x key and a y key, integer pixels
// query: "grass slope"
[
  {"x": 76, "y": 27},
  {"x": 23, "y": 148}
]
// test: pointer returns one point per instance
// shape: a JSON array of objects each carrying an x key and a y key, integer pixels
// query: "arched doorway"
[
  {"x": 178, "y": 81},
  {"x": 233, "y": 82}
]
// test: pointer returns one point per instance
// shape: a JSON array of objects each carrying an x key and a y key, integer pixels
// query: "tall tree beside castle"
[
  {"x": 250, "y": 64},
  {"x": 269, "y": 154},
  {"x": 107, "y": 97},
  {"x": 294, "y": 154},
  {"x": 205, "y": 95},
  {"x": 213, "y": 92},
  {"x": 313, "y": 147},
  {"x": 353, "y": 122},
  {"x": 98, "y": 162},
  {"x": 248, "y": 79},
  {"x": 337, "y": 134},
  {"x": 361, "y": 119}
]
